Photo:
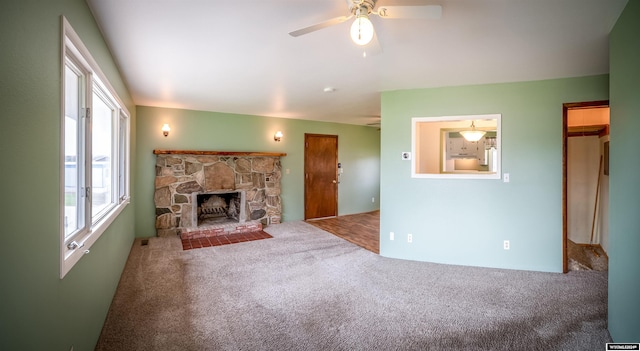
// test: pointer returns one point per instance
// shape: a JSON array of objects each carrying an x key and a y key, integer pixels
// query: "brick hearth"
[{"x": 188, "y": 244}]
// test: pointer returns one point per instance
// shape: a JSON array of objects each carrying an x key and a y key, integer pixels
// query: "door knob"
[{"x": 334, "y": 182}]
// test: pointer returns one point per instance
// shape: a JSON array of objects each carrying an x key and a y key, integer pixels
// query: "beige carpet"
[{"x": 305, "y": 289}]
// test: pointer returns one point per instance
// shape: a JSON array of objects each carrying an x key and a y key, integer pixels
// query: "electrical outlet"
[
  {"x": 506, "y": 245},
  {"x": 392, "y": 236},
  {"x": 409, "y": 238},
  {"x": 373, "y": 199}
]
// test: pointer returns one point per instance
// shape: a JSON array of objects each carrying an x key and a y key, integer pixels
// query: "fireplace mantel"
[{"x": 218, "y": 153}]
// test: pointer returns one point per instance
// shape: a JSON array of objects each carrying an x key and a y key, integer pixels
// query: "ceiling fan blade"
[
  {"x": 417, "y": 12},
  {"x": 321, "y": 25},
  {"x": 384, "y": 3}
]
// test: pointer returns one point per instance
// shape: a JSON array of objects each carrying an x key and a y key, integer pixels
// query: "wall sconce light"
[
  {"x": 166, "y": 129},
  {"x": 277, "y": 136}
]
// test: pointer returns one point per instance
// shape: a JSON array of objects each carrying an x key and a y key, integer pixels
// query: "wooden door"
[{"x": 320, "y": 176}]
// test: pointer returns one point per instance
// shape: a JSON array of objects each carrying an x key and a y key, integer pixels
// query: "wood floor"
[{"x": 361, "y": 229}]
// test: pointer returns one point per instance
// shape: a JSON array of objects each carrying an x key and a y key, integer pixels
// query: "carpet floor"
[{"x": 305, "y": 289}]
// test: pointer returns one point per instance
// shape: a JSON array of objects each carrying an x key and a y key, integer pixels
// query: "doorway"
[
  {"x": 320, "y": 176},
  {"x": 585, "y": 130}
]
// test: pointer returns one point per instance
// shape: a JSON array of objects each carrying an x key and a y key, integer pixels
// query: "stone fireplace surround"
[{"x": 183, "y": 174}]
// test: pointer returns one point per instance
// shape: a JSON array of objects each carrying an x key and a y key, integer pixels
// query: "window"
[{"x": 95, "y": 152}]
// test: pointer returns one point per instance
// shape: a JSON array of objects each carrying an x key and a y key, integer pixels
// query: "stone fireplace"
[{"x": 202, "y": 193}]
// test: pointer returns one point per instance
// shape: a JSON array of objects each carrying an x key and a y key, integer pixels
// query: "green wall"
[
  {"x": 38, "y": 310},
  {"x": 358, "y": 151},
  {"x": 458, "y": 221},
  {"x": 624, "y": 195}
]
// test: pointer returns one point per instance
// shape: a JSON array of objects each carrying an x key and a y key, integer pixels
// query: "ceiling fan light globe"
[{"x": 362, "y": 30}]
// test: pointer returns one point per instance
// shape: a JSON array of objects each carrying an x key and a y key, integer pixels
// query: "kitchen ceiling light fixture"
[
  {"x": 473, "y": 134},
  {"x": 362, "y": 28}
]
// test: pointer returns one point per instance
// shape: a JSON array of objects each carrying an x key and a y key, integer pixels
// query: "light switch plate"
[{"x": 506, "y": 178}]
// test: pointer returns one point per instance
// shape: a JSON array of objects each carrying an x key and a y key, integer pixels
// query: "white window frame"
[
  {"x": 74, "y": 247},
  {"x": 416, "y": 149}
]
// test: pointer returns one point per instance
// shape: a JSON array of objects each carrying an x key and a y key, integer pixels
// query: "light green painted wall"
[
  {"x": 465, "y": 222},
  {"x": 624, "y": 191},
  {"x": 38, "y": 310},
  {"x": 358, "y": 151}
]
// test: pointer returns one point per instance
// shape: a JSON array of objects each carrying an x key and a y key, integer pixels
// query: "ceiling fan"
[{"x": 362, "y": 32}]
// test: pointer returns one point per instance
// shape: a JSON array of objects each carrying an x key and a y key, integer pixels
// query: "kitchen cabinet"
[{"x": 459, "y": 147}]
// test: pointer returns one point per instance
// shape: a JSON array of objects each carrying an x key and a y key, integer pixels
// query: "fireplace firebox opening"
[{"x": 215, "y": 208}]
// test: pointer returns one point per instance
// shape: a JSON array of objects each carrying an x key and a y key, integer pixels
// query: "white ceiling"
[{"x": 236, "y": 56}]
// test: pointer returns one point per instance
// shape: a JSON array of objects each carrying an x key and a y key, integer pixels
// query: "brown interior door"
[{"x": 320, "y": 176}]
